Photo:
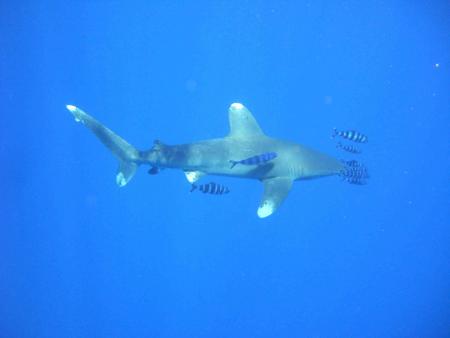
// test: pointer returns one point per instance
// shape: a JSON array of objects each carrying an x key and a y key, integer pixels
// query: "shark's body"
[{"x": 212, "y": 157}]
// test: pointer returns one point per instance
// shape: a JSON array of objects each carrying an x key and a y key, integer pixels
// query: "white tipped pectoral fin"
[
  {"x": 275, "y": 191},
  {"x": 266, "y": 208}
]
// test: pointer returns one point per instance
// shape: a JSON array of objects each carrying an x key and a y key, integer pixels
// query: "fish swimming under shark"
[
  {"x": 212, "y": 157},
  {"x": 211, "y": 188}
]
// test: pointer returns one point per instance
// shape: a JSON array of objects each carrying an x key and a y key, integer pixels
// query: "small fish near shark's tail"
[
  {"x": 354, "y": 172},
  {"x": 128, "y": 156}
]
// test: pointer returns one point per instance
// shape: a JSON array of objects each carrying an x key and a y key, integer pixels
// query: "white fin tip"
[
  {"x": 266, "y": 209},
  {"x": 120, "y": 179},
  {"x": 237, "y": 106},
  {"x": 193, "y": 176},
  {"x": 71, "y": 108}
]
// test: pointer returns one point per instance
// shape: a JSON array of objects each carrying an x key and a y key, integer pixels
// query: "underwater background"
[{"x": 80, "y": 257}]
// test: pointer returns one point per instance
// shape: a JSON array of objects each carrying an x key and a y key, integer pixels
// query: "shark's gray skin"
[{"x": 212, "y": 157}]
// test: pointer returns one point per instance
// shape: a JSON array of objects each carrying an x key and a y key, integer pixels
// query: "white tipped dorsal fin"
[
  {"x": 193, "y": 176},
  {"x": 275, "y": 191},
  {"x": 242, "y": 122}
]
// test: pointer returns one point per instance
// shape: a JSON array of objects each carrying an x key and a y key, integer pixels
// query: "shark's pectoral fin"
[
  {"x": 242, "y": 122},
  {"x": 194, "y": 176},
  {"x": 275, "y": 191}
]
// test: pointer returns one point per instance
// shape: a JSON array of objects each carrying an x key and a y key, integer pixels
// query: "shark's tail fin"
[{"x": 127, "y": 155}]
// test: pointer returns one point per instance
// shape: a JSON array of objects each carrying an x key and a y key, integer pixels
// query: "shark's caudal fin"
[{"x": 127, "y": 155}]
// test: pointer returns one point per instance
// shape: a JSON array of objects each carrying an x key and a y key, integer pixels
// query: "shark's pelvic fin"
[
  {"x": 127, "y": 155},
  {"x": 193, "y": 176},
  {"x": 242, "y": 122},
  {"x": 275, "y": 191}
]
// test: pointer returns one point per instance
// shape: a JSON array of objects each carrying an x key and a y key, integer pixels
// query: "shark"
[{"x": 245, "y": 139}]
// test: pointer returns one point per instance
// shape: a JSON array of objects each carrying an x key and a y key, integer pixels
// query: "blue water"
[{"x": 80, "y": 257}]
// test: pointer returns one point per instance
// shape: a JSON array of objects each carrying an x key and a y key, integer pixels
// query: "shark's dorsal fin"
[
  {"x": 242, "y": 122},
  {"x": 275, "y": 191}
]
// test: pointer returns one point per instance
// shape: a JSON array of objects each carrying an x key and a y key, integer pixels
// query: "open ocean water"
[{"x": 80, "y": 257}]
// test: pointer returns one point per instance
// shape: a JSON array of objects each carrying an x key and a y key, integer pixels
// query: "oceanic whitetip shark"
[{"x": 212, "y": 157}]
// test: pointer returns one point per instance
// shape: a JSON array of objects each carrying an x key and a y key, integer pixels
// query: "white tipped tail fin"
[
  {"x": 125, "y": 173},
  {"x": 127, "y": 155}
]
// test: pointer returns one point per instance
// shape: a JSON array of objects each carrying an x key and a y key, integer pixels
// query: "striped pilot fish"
[
  {"x": 360, "y": 172},
  {"x": 355, "y": 180},
  {"x": 211, "y": 188},
  {"x": 351, "y": 135},
  {"x": 355, "y": 175},
  {"x": 352, "y": 163},
  {"x": 255, "y": 160},
  {"x": 348, "y": 148}
]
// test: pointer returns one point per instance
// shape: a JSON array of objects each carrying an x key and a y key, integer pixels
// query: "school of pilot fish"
[{"x": 355, "y": 172}]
